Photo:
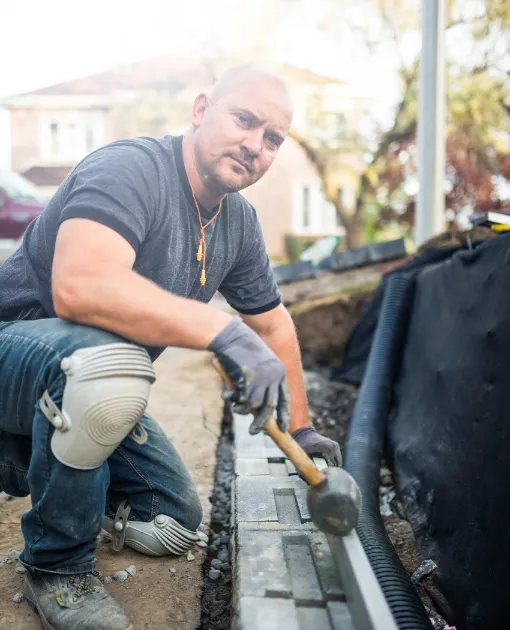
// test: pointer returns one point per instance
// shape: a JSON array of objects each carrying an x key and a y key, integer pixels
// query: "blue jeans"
[{"x": 68, "y": 505}]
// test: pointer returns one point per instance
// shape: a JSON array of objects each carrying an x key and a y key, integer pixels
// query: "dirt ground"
[{"x": 186, "y": 402}]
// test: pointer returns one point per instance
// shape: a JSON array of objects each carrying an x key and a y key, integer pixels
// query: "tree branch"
[{"x": 310, "y": 152}]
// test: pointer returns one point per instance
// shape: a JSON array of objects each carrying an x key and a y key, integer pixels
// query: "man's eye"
[
  {"x": 273, "y": 142},
  {"x": 243, "y": 119}
]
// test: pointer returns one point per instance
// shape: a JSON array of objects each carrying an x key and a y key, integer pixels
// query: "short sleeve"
[
  {"x": 250, "y": 287},
  {"x": 117, "y": 187}
]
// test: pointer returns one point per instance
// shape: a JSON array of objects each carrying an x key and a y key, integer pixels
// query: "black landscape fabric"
[
  {"x": 360, "y": 340},
  {"x": 449, "y": 434}
]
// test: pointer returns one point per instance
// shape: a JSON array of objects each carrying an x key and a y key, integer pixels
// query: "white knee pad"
[
  {"x": 105, "y": 395},
  {"x": 160, "y": 537}
]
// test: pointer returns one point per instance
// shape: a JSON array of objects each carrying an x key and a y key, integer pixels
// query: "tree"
[{"x": 478, "y": 116}]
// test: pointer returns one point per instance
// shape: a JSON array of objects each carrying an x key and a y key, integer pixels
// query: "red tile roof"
[
  {"x": 169, "y": 72},
  {"x": 159, "y": 71},
  {"x": 47, "y": 175}
]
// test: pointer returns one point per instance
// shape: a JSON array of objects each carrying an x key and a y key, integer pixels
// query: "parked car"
[{"x": 20, "y": 203}]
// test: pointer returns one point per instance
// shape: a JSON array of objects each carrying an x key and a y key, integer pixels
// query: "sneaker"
[{"x": 74, "y": 602}]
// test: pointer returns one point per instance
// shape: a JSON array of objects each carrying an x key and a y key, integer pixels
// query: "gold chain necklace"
[{"x": 202, "y": 245}]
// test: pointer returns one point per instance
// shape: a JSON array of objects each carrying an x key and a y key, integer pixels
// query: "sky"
[{"x": 48, "y": 41}]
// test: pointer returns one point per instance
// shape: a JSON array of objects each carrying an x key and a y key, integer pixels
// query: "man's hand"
[
  {"x": 256, "y": 374},
  {"x": 315, "y": 445}
]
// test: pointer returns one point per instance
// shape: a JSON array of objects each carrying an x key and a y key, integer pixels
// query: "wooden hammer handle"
[
  {"x": 294, "y": 452},
  {"x": 284, "y": 441}
]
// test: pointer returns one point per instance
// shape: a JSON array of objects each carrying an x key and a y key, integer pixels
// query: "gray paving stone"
[
  {"x": 311, "y": 618},
  {"x": 286, "y": 563},
  {"x": 286, "y": 506},
  {"x": 250, "y": 467},
  {"x": 261, "y": 567},
  {"x": 277, "y": 469},
  {"x": 255, "y": 497},
  {"x": 291, "y": 469},
  {"x": 325, "y": 567},
  {"x": 306, "y": 589},
  {"x": 318, "y": 461},
  {"x": 253, "y": 446},
  {"x": 340, "y": 616},
  {"x": 255, "y": 613},
  {"x": 273, "y": 526},
  {"x": 248, "y": 446}
]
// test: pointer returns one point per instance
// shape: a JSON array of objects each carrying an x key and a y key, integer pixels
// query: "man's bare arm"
[
  {"x": 93, "y": 283},
  {"x": 277, "y": 329}
]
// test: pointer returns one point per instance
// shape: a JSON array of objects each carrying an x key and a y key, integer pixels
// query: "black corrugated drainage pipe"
[{"x": 365, "y": 448}]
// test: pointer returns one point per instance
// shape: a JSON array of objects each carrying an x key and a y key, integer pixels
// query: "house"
[{"x": 51, "y": 129}]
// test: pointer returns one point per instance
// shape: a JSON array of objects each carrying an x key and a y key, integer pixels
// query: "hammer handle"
[
  {"x": 284, "y": 441},
  {"x": 294, "y": 452}
]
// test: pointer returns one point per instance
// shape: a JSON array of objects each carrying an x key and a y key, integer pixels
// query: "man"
[{"x": 120, "y": 265}]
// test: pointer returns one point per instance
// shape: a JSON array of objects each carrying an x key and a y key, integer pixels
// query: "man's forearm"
[
  {"x": 135, "y": 308},
  {"x": 283, "y": 341}
]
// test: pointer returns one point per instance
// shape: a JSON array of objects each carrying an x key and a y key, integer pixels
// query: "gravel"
[
  {"x": 120, "y": 576},
  {"x": 12, "y": 556},
  {"x": 217, "y": 594},
  {"x": 131, "y": 570},
  {"x": 214, "y": 574},
  {"x": 18, "y": 598},
  {"x": 5, "y": 497},
  {"x": 190, "y": 557}
]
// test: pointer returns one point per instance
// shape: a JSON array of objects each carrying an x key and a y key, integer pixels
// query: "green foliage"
[
  {"x": 295, "y": 245},
  {"x": 292, "y": 247}
]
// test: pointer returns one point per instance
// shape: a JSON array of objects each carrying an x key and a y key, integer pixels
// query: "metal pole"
[{"x": 430, "y": 219}]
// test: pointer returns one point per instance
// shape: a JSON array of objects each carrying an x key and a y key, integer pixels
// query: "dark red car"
[{"x": 20, "y": 203}]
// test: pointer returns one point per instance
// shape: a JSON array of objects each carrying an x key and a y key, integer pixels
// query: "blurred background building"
[
  {"x": 350, "y": 166},
  {"x": 53, "y": 128}
]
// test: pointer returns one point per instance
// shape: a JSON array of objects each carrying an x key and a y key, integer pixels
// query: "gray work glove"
[
  {"x": 257, "y": 375},
  {"x": 316, "y": 445}
]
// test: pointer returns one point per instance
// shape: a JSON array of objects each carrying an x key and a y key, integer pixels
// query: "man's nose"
[{"x": 252, "y": 142}]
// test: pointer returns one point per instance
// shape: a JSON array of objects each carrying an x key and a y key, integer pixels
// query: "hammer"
[{"x": 333, "y": 497}]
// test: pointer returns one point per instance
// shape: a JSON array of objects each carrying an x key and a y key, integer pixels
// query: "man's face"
[{"x": 238, "y": 136}]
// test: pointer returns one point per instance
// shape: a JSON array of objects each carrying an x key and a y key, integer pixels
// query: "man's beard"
[{"x": 216, "y": 178}]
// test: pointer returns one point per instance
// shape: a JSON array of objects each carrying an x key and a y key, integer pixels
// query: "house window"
[
  {"x": 306, "y": 207},
  {"x": 69, "y": 136}
]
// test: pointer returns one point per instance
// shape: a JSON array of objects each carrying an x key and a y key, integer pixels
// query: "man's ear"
[{"x": 199, "y": 108}]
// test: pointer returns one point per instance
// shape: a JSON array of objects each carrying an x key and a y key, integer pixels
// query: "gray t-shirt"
[{"x": 140, "y": 189}]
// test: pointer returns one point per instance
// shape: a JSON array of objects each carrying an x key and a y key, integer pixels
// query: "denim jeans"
[{"x": 68, "y": 505}]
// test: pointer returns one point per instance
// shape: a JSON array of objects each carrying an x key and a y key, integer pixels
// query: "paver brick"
[
  {"x": 249, "y": 466},
  {"x": 257, "y": 497},
  {"x": 286, "y": 563},
  {"x": 257, "y": 613}
]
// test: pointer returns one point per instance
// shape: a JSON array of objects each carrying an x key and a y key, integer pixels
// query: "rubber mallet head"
[{"x": 335, "y": 502}]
